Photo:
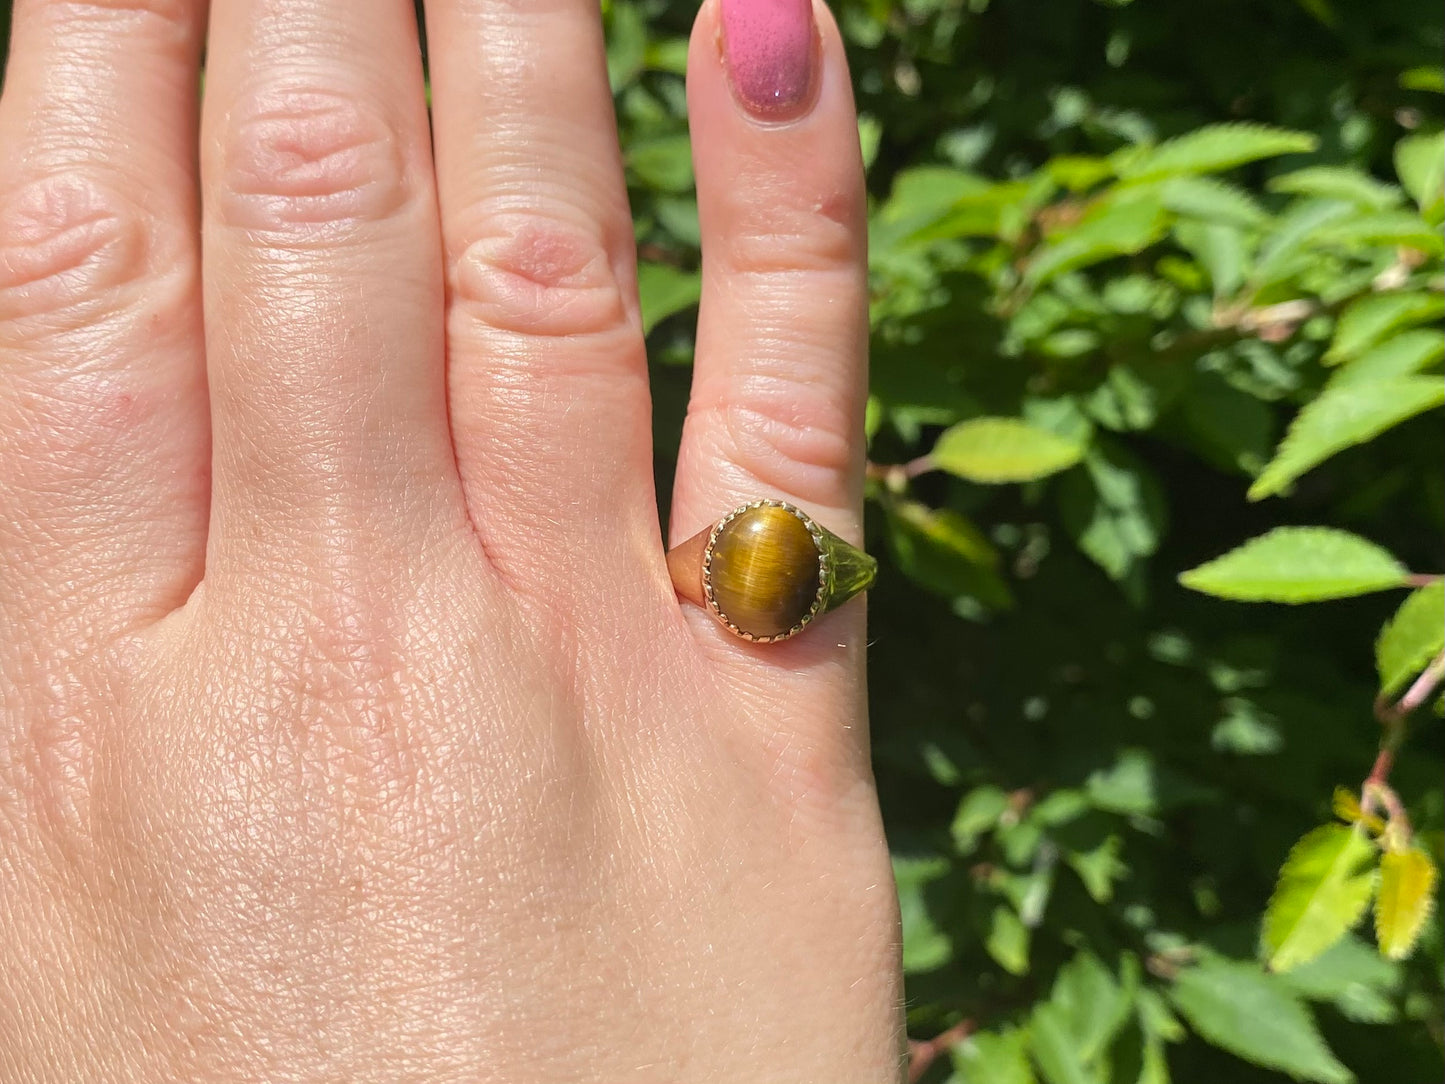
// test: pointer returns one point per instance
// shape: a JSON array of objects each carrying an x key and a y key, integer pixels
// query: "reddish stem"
[{"x": 922, "y": 1053}]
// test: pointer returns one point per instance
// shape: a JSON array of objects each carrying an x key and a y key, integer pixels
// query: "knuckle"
[
  {"x": 73, "y": 248},
  {"x": 787, "y": 432},
  {"x": 779, "y": 236},
  {"x": 534, "y": 273},
  {"x": 299, "y": 157}
]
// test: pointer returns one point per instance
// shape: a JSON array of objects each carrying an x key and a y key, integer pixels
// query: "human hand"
[{"x": 350, "y": 728}]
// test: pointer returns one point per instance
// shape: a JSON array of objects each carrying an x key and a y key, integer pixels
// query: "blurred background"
[{"x": 1120, "y": 250}]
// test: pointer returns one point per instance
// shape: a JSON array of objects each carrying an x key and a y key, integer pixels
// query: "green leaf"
[
  {"x": 1347, "y": 807},
  {"x": 1219, "y": 249},
  {"x": 1324, "y": 888},
  {"x": 994, "y": 1057},
  {"x": 1054, "y": 1049},
  {"x": 1420, "y": 162},
  {"x": 1119, "y": 228},
  {"x": 1407, "y": 895},
  {"x": 1298, "y": 564},
  {"x": 1399, "y": 228},
  {"x": 926, "y": 947},
  {"x": 1008, "y": 941},
  {"x": 1338, "y": 182},
  {"x": 1285, "y": 251},
  {"x": 664, "y": 164},
  {"x": 1407, "y": 353},
  {"x": 945, "y": 552},
  {"x": 665, "y": 291},
  {"x": 1213, "y": 148},
  {"x": 992, "y": 450},
  {"x": 1211, "y": 200},
  {"x": 1410, "y": 639},
  {"x": 1342, "y": 417},
  {"x": 1114, "y": 510},
  {"x": 1371, "y": 318},
  {"x": 977, "y": 813},
  {"x": 1094, "y": 1006},
  {"x": 1425, "y": 77},
  {"x": 1099, "y": 867},
  {"x": 1237, "y": 1007},
  {"x": 1354, "y": 978}
]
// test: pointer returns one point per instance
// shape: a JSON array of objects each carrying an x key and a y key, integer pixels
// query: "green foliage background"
[{"x": 1091, "y": 775}]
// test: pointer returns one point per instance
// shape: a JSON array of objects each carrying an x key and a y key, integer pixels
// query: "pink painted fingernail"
[{"x": 768, "y": 49}]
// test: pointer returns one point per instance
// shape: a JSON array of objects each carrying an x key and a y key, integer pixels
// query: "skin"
[{"x": 350, "y": 728}]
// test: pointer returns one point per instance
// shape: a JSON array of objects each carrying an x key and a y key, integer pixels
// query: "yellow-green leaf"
[
  {"x": 1003, "y": 450},
  {"x": 1347, "y": 808},
  {"x": 1298, "y": 564},
  {"x": 1410, "y": 639},
  {"x": 1407, "y": 894},
  {"x": 1323, "y": 889}
]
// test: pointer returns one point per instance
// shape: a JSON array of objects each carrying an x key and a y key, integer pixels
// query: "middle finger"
[{"x": 322, "y": 271}]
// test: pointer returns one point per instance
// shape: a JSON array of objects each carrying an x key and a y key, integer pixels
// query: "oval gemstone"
[{"x": 764, "y": 570}]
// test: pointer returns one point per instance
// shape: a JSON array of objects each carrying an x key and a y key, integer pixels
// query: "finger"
[
  {"x": 781, "y": 372},
  {"x": 547, "y": 379},
  {"x": 779, "y": 381},
  {"x": 103, "y": 424},
  {"x": 323, "y": 285}
]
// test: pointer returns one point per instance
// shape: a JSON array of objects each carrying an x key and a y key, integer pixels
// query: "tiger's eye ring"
[{"x": 766, "y": 570}]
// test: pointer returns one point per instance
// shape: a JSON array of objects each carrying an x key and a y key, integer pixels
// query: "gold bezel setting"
[{"x": 824, "y": 568}]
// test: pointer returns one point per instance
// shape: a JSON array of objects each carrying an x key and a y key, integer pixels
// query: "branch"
[{"x": 922, "y": 1053}]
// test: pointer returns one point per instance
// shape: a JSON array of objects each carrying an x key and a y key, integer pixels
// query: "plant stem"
[{"x": 922, "y": 1053}]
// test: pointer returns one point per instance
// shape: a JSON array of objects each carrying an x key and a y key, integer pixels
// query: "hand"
[{"x": 351, "y": 727}]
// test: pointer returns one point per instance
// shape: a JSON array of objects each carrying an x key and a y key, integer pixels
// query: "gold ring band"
[{"x": 766, "y": 570}]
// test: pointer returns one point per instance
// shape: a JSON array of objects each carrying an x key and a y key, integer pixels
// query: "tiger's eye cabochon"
[{"x": 764, "y": 570}]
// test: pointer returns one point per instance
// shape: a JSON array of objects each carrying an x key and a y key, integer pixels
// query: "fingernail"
[{"x": 768, "y": 51}]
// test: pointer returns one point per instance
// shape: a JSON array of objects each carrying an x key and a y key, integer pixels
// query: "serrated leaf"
[
  {"x": 1403, "y": 355},
  {"x": 1342, "y": 417},
  {"x": 989, "y": 1057},
  {"x": 1347, "y": 807},
  {"x": 1420, "y": 162},
  {"x": 1214, "y": 148},
  {"x": 1238, "y": 1008},
  {"x": 1298, "y": 564},
  {"x": 1338, "y": 182},
  {"x": 1054, "y": 1048},
  {"x": 1116, "y": 229},
  {"x": 993, "y": 450},
  {"x": 664, "y": 291},
  {"x": 1370, "y": 319},
  {"x": 1400, "y": 228},
  {"x": 1407, "y": 895},
  {"x": 1286, "y": 246},
  {"x": 1211, "y": 200},
  {"x": 1410, "y": 639},
  {"x": 1324, "y": 887}
]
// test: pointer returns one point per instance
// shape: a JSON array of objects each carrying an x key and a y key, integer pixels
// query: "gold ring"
[{"x": 766, "y": 570}]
